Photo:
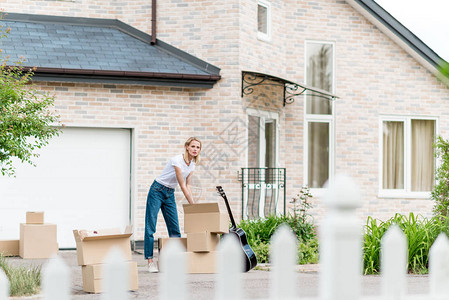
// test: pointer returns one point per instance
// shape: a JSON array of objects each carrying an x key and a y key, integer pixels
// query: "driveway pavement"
[{"x": 201, "y": 286}]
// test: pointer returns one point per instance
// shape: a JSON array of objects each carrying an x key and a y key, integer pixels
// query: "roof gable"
[{"x": 107, "y": 48}]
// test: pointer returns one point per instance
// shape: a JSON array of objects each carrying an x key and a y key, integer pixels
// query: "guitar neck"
[{"x": 223, "y": 195}]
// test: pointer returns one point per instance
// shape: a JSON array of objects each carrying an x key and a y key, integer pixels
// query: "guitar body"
[{"x": 248, "y": 253}]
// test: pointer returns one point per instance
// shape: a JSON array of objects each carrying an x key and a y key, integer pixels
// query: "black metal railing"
[{"x": 263, "y": 189}]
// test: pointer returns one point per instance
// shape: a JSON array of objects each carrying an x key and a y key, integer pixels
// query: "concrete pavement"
[{"x": 201, "y": 286}]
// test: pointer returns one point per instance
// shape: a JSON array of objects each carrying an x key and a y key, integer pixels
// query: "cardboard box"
[
  {"x": 9, "y": 247},
  {"x": 35, "y": 217},
  {"x": 205, "y": 217},
  {"x": 201, "y": 262},
  {"x": 202, "y": 241},
  {"x": 93, "y": 277},
  {"x": 163, "y": 241},
  {"x": 38, "y": 240},
  {"x": 92, "y": 246}
]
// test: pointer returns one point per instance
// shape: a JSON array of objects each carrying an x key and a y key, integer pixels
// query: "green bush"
[
  {"x": 23, "y": 281},
  {"x": 308, "y": 252},
  {"x": 440, "y": 193},
  {"x": 420, "y": 232},
  {"x": 262, "y": 251},
  {"x": 260, "y": 231}
]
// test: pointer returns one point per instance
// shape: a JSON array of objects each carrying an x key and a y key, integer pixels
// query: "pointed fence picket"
[
  {"x": 340, "y": 254},
  {"x": 4, "y": 285}
]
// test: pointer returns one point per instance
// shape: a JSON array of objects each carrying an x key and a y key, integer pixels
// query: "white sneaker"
[{"x": 152, "y": 267}]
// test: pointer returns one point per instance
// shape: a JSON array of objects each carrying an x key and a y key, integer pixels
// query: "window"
[
  {"x": 407, "y": 153},
  {"x": 319, "y": 114},
  {"x": 261, "y": 193},
  {"x": 264, "y": 20}
]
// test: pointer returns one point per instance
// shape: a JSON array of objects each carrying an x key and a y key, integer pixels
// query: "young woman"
[{"x": 161, "y": 196}]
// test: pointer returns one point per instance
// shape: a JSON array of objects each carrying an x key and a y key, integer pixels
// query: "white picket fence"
[{"x": 341, "y": 262}]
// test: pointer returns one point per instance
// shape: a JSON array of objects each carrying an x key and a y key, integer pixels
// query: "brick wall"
[{"x": 373, "y": 77}]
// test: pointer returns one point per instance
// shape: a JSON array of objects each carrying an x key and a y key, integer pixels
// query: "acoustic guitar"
[{"x": 249, "y": 255}]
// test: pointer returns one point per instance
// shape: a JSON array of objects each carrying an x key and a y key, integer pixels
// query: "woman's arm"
[{"x": 185, "y": 185}]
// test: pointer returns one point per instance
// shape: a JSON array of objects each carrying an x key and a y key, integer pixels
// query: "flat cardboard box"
[
  {"x": 38, "y": 240},
  {"x": 205, "y": 217},
  {"x": 201, "y": 262},
  {"x": 35, "y": 217},
  {"x": 92, "y": 246},
  {"x": 9, "y": 247},
  {"x": 93, "y": 277},
  {"x": 202, "y": 241},
  {"x": 161, "y": 242}
]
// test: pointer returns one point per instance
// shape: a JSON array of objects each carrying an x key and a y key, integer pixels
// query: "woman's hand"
[{"x": 185, "y": 185}]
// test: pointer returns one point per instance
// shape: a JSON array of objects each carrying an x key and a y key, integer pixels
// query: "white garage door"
[{"x": 82, "y": 181}]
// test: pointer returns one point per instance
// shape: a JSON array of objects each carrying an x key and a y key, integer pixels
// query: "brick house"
[{"x": 281, "y": 93}]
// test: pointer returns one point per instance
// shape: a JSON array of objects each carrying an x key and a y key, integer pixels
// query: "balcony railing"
[{"x": 263, "y": 192}]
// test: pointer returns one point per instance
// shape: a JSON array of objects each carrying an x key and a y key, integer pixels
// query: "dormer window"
[{"x": 264, "y": 20}]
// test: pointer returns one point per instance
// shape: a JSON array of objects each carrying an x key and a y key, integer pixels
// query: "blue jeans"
[{"x": 162, "y": 198}]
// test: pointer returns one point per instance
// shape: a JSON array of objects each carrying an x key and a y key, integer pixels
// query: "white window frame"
[
  {"x": 406, "y": 191},
  {"x": 262, "y": 35},
  {"x": 263, "y": 114},
  {"x": 310, "y": 118}
]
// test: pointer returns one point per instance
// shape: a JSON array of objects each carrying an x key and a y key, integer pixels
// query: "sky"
[{"x": 427, "y": 19}]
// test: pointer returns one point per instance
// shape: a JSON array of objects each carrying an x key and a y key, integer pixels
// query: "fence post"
[
  {"x": 4, "y": 285},
  {"x": 173, "y": 272},
  {"x": 393, "y": 263},
  {"x": 116, "y": 276},
  {"x": 283, "y": 262},
  {"x": 230, "y": 267},
  {"x": 340, "y": 242},
  {"x": 56, "y": 280},
  {"x": 439, "y": 267}
]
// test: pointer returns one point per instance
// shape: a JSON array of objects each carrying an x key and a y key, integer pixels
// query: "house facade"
[{"x": 299, "y": 91}]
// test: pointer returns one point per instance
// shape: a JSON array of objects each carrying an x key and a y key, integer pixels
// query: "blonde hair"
[{"x": 196, "y": 159}]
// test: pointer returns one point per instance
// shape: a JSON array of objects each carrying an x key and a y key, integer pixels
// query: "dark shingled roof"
[{"x": 100, "y": 50}]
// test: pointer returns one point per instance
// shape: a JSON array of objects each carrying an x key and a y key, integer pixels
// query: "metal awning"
[{"x": 291, "y": 89}]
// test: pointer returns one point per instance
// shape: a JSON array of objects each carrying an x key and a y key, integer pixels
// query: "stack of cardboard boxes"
[
  {"x": 92, "y": 248},
  {"x": 37, "y": 239},
  {"x": 203, "y": 224}
]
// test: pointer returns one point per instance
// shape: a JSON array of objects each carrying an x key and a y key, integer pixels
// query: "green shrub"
[
  {"x": 440, "y": 193},
  {"x": 420, "y": 232},
  {"x": 260, "y": 231},
  {"x": 308, "y": 252},
  {"x": 262, "y": 251},
  {"x": 23, "y": 281}
]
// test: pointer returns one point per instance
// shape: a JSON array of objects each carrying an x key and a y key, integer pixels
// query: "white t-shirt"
[{"x": 168, "y": 176}]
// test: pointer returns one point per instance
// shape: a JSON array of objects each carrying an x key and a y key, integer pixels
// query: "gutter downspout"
[{"x": 153, "y": 21}]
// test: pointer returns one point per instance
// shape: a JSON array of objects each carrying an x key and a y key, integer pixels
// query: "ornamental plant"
[
  {"x": 27, "y": 121},
  {"x": 440, "y": 193}
]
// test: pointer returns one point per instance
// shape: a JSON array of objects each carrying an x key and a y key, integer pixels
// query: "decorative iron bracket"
[{"x": 290, "y": 89}]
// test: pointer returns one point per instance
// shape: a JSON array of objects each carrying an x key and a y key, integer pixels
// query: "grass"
[
  {"x": 420, "y": 232},
  {"x": 23, "y": 281}
]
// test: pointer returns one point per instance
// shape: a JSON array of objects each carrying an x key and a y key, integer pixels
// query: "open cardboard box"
[
  {"x": 93, "y": 277},
  {"x": 92, "y": 246},
  {"x": 201, "y": 217}
]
